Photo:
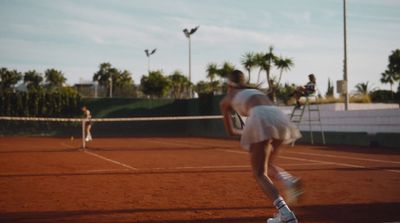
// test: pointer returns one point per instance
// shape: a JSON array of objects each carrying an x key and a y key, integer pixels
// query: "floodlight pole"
[
  {"x": 346, "y": 94},
  {"x": 190, "y": 59},
  {"x": 188, "y": 33},
  {"x": 96, "y": 93},
  {"x": 110, "y": 82},
  {"x": 148, "y": 64}
]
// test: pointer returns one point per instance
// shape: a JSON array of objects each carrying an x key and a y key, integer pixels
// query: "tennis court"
[{"x": 185, "y": 179}]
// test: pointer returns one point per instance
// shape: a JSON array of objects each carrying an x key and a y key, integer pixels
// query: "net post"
[{"x": 83, "y": 134}]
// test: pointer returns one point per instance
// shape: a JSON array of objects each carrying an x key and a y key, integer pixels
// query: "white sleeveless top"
[
  {"x": 240, "y": 99},
  {"x": 87, "y": 114}
]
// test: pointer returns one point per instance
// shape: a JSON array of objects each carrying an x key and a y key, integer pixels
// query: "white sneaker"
[
  {"x": 293, "y": 191},
  {"x": 283, "y": 218},
  {"x": 88, "y": 138}
]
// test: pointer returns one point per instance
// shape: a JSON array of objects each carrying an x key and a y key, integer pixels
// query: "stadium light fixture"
[{"x": 148, "y": 54}]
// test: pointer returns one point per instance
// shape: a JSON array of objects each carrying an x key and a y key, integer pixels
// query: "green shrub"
[
  {"x": 47, "y": 104},
  {"x": 382, "y": 96}
]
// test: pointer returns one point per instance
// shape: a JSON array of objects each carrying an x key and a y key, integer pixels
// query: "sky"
[{"x": 75, "y": 36}]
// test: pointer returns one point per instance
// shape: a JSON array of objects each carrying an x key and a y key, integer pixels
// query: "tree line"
[
  {"x": 365, "y": 92},
  {"x": 45, "y": 95},
  {"x": 156, "y": 84}
]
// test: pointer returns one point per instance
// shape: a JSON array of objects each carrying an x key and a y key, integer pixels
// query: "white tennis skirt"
[{"x": 268, "y": 122}]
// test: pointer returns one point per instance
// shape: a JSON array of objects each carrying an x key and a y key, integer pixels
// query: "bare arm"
[{"x": 226, "y": 109}]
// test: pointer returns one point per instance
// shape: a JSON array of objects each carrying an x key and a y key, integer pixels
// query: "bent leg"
[
  {"x": 293, "y": 187},
  {"x": 259, "y": 160},
  {"x": 274, "y": 170},
  {"x": 298, "y": 94},
  {"x": 87, "y": 131}
]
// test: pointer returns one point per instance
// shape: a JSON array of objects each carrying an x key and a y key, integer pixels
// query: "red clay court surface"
[{"x": 193, "y": 180}]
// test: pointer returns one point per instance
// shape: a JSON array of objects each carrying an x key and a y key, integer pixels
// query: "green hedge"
[{"x": 43, "y": 104}]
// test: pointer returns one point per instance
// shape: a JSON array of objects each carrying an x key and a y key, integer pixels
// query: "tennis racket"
[{"x": 237, "y": 121}]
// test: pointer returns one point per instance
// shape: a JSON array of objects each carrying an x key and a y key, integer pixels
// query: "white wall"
[{"x": 370, "y": 118}]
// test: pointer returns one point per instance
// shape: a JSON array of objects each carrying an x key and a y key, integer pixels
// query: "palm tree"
[
  {"x": 155, "y": 84},
  {"x": 248, "y": 61},
  {"x": 179, "y": 84},
  {"x": 388, "y": 78},
  {"x": 123, "y": 85},
  {"x": 212, "y": 71},
  {"x": 226, "y": 69},
  {"x": 33, "y": 80},
  {"x": 106, "y": 76},
  {"x": 392, "y": 73},
  {"x": 270, "y": 60},
  {"x": 283, "y": 64},
  {"x": 9, "y": 78},
  {"x": 260, "y": 63},
  {"x": 363, "y": 88},
  {"x": 55, "y": 79}
]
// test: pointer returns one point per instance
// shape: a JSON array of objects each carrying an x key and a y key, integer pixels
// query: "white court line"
[
  {"x": 61, "y": 172},
  {"x": 126, "y": 170},
  {"x": 322, "y": 162},
  {"x": 315, "y": 161},
  {"x": 302, "y": 164},
  {"x": 343, "y": 157},
  {"x": 299, "y": 159},
  {"x": 105, "y": 170},
  {"x": 173, "y": 143},
  {"x": 204, "y": 144},
  {"x": 200, "y": 167},
  {"x": 110, "y": 160},
  {"x": 232, "y": 151},
  {"x": 104, "y": 158},
  {"x": 68, "y": 146},
  {"x": 222, "y": 167},
  {"x": 217, "y": 167}
]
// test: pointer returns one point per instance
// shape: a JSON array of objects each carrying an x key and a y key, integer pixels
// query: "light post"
[
  {"x": 188, "y": 34},
  {"x": 110, "y": 82},
  {"x": 346, "y": 94},
  {"x": 148, "y": 54},
  {"x": 96, "y": 85}
]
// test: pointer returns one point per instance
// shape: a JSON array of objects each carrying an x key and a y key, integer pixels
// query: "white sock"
[
  {"x": 285, "y": 177},
  {"x": 281, "y": 205}
]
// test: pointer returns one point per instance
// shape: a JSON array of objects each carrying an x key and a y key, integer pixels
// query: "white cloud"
[
  {"x": 377, "y": 2},
  {"x": 106, "y": 34},
  {"x": 298, "y": 17},
  {"x": 227, "y": 35}
]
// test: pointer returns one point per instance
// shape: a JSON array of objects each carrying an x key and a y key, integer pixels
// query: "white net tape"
[{"x": 133, "y": 119}]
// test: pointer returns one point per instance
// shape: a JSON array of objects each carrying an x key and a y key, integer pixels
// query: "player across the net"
[{"x": 108, "y": 126}]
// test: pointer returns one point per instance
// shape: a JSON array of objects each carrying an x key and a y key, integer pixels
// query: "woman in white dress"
[
  {"x": 265, "y": 130},
  {"x": 88, "y": 123}
]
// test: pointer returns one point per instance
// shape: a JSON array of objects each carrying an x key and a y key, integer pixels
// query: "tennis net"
[{"x": 74, "y": 128}]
